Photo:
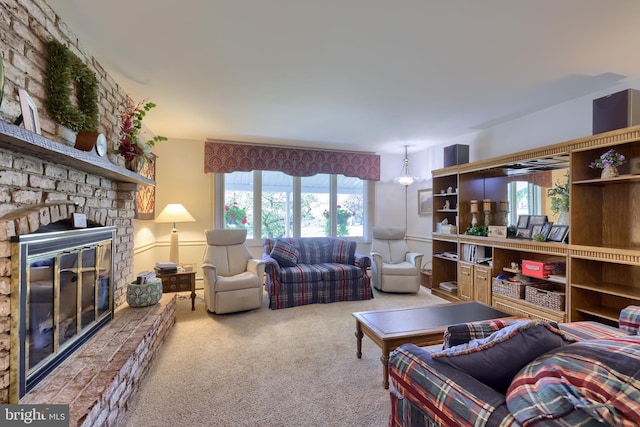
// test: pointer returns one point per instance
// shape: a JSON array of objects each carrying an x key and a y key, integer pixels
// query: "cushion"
[
  {"x": 496, "y": 359},
  {"x": 630, "y": 320},
  {"x": 461, "y": 333},
  {"x": 587, "y": 383},
  {"x": 285, "y": 254},
  {"x": 342, "y": 251}
]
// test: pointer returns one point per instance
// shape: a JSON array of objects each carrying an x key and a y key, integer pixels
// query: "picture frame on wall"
[
  {"x": 425, "y": 201},
  {"x": 558, "y": 233},
  {"x": 29, "y": 111},
  {"x": 145, "y": 207}
]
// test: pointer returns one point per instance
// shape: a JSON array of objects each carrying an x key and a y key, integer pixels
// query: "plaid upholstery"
[
  {"x": 286, "y": 254},
  {"x": 342, "y": 251},
  {"x": 317, "y": 279},
  {"x": 300, "y": 273},
  {"x": 629, "y": 320},
  {"x": 589, "y": 330},
  {"x": 426, "y": 392},
  {"x": 593, "y": 381},
  {"x": 462, "y": 333}
]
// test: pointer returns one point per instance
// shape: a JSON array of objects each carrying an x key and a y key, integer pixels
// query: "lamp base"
[{"x": 173, "y": 248}]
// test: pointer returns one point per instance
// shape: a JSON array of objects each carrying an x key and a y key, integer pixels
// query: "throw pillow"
[
  {"x": 342, "y": 252},
  {"x": 630, "y": 319},
  {"x": 496, "y": 359},
  {"x": 593, "y": 382},
  {"x": 285, "y": 253}
]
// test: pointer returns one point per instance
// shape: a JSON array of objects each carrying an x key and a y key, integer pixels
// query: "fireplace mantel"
[{"x": 20, "y": 140}]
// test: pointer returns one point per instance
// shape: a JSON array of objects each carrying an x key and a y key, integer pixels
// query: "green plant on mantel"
[
  {"x": 479, "y": 230},
  {"x": 559, "y": 195},
  {"x": 130, "y": 146}
]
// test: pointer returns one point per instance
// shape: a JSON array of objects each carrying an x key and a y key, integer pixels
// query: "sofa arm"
[
  {"x": 271, "y": 268},
  {"x": 362, "y": 261},
  {"x": 629, "y": 320},
  {"x": 462, "y": 333},
  {"x": 440, "y": 392}
]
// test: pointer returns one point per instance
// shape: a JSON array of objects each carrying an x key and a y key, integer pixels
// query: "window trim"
[{"x": 219, "y": 192}]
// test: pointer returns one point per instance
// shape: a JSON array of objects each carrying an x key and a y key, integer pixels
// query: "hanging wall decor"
[
  {"x": 64, "y": 72},
  {"x": 146, "y": 195}
]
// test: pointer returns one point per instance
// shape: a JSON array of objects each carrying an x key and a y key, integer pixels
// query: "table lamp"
[{"x": 174, "y": 212}]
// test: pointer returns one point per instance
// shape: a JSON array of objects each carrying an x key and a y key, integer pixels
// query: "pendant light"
[{"x": 405, "y": 178}]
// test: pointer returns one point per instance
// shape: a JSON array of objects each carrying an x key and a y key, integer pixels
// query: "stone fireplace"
[
  {"x": 42, "y": 183},
  {"x": 43, "y": 179},
  {"x": 62, "y": 294}
]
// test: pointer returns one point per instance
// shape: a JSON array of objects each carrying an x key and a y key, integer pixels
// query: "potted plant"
[
  {"x": 609, "y": 163},
  {"x": 559, "y": 195},
  {"x": 131, "y": 147}
]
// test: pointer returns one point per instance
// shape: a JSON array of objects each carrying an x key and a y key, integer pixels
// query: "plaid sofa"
[
  {"x": 603, "y": 366},
  {"x": 320, "y": 270}
]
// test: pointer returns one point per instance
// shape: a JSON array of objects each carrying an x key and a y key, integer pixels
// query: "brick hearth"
[{"x": 98, "y": 380}]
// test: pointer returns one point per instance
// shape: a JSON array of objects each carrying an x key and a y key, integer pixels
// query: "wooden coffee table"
[{"x": 421, "y": 326}]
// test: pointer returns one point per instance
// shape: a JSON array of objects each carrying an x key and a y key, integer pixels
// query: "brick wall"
[{"x": 33, "y": 192}]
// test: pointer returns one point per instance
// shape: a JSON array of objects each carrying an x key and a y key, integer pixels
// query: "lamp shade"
[{"x": 174, "y": 212}]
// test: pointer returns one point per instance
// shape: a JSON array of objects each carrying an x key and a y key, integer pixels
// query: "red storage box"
[{"x": 539, "y": 269}]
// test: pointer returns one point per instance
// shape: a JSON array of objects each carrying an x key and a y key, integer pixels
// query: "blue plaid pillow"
[{"x": 285, "y": 254}]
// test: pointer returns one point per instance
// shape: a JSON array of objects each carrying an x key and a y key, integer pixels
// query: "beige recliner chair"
[
  {"x": 394, "y": 268},
  {"x": 233, "y": 279}
]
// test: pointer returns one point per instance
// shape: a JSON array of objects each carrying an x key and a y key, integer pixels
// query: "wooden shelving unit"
[{"x": 603, "y": 255}]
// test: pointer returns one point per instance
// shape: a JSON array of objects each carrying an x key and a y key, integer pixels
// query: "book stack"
[{"x": 166, "y": 267}]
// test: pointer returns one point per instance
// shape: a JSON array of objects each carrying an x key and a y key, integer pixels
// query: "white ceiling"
[{"x": 370, "y": 75}]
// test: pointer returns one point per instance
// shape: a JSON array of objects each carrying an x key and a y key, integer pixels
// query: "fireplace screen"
[{"x": 65, "y": 294}]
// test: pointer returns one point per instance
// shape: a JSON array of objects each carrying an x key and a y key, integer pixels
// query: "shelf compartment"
[
  {"x": 522, "y": 308},
  {"x": 594, "y": 305}
]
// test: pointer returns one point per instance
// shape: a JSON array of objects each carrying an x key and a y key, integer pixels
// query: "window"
[
  {"x": 286, "y": 206},
  {"x": 525, "y": 198}
]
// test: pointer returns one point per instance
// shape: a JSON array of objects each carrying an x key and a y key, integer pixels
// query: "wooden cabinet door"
[
  {"x": 465, "y": 281},
  {"x": 482, "y": 283}
]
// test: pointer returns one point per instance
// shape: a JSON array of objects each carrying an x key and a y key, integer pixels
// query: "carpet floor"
[{"x": 288, "y": 367}]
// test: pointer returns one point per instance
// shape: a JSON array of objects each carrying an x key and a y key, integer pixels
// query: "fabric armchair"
[
  {"x": 233, "y": 279},
  {"x": 394, "y": 268}
]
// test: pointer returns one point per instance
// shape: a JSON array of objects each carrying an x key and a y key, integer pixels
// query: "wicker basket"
[
  {"x": 547, "y": 295},
  {"x": 426, "y": 277},
  {"x": 510, "y": 289}
]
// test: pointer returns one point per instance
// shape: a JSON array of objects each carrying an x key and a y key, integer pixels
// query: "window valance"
[{"x": 227, "y": 157}]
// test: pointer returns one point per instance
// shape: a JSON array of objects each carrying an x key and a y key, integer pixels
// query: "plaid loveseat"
[
  {"x": 592, "y": 381},
  {"x": 309, "y": 270}
]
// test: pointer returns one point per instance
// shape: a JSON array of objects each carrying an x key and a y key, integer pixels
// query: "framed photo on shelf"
[
  {"x": 538, "y": 219},
  {"x": 546, "y": 229},
  {"x": 497, "y": 231},
  {"x": 536, "y": 229},
  {"x": 523, "y": 221},
  {"x": 425, "y": 201},
  {"x": 29, "y": 112},
  {"x": 523, "y": 233},
  {"x": 558, "y": 233}
]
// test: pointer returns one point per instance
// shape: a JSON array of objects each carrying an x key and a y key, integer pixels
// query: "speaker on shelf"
[
  {"x": 616, "y": 111},
  {"x": 456, "y": 155}
]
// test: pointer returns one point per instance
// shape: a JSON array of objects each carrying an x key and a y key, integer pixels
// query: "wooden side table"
[{"x": 180, "y": 282}]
